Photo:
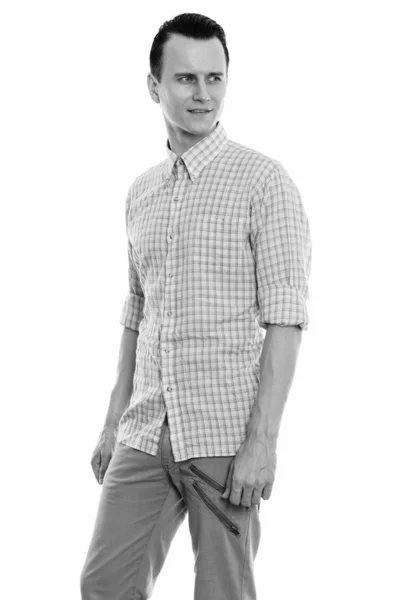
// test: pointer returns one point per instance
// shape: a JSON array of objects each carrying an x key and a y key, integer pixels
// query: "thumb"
[{"x": 227, "y": 491}]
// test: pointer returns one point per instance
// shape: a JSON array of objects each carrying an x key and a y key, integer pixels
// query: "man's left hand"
[{"x": 251, "y": 473}]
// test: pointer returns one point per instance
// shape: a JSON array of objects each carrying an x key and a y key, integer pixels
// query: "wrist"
[{"x": 112, "y": 420}]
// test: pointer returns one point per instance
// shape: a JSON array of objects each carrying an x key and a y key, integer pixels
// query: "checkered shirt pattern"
[{"x": 219, "y": 247}]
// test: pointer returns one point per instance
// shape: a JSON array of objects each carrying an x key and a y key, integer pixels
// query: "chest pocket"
[{"x": 219, "y": 243}]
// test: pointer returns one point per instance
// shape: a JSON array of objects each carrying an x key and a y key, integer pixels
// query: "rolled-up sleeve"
[
  {"x": 132, "y": 310},
  {"x": 282, "y": 251}
]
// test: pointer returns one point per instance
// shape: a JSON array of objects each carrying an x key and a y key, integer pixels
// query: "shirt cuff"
[
  {"x": 282, "y": 305},
  {"x": 132, "y": 311}
]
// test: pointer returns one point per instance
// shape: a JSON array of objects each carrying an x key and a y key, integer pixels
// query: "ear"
[{"x": 153, "y": 89}]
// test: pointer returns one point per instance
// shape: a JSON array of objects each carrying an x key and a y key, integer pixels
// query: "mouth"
[{"x": 199, "y": 112}]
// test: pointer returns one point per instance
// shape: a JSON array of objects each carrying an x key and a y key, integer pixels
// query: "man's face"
[{"x": 193, "y": 70}]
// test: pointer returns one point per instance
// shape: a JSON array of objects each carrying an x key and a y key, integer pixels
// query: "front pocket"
[
  {"x": 217, "y": 486},
  {"x": 217, "y": 512}
]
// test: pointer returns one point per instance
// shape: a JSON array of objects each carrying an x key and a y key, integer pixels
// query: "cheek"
[
  {"x": 178, "y": 101},
  {"x": 172, "y": 105}
]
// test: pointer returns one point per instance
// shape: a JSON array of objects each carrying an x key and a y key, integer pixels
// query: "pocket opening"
[
  {"x": 215, "y": 484},
  {"x": 217, "y": 512}
]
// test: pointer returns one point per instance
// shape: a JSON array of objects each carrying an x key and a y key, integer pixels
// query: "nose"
[{"x": 201, "y": 92}]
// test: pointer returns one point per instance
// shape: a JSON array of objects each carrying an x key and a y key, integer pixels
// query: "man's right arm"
[
  {"x": 131, "y": 315},
  {"x": 122, "y": 391}
]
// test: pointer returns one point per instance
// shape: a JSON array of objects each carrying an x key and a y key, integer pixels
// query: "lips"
[{"x": 199, "y": 111}]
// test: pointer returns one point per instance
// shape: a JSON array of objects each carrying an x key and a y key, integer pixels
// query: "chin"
[{"x": 202, "y": 124}]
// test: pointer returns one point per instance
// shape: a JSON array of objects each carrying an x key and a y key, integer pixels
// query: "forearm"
[
  {"x": 122, "y": 391},
  {"x": 277, "y": 367}
]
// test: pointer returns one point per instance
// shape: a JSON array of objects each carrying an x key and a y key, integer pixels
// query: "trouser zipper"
[
  {"x": 207, "y": 479},
  {"x": 218, "y": 513}
]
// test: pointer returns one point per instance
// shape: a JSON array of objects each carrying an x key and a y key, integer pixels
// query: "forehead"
[{"x": 183, "y": 53}]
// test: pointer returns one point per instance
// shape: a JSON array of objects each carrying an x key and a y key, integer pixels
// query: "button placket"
[{"x": 173, "y": 185}]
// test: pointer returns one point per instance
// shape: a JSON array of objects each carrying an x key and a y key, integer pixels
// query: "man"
[{"x": 219, "y": 251}]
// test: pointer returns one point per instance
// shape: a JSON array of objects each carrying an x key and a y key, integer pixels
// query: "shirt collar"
[{"x": 200, "y": 155}]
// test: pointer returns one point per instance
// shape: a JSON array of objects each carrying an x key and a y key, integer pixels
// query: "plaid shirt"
[{"x": 219, "y": 247}]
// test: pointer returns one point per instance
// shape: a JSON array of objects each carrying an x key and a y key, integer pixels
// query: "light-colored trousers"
[{"x": 144, "y": 500}]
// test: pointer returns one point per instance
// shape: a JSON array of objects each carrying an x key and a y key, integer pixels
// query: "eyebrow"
[{"x": 184, "y": 74}]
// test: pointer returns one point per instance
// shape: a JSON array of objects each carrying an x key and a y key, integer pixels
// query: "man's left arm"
[
  {"x": 255, "y": 462},
  {"x": 277, "y": 367},
  {"x": 281, "y": 246}
]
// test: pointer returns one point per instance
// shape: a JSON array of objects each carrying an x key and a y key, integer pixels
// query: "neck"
[{"x": 181, "y": 140}]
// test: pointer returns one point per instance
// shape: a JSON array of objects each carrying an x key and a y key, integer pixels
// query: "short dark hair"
[{"x": 191, "y": 25}]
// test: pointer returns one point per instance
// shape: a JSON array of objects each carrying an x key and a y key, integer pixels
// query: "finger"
[
  {"x": 95, "y": 460},
  {"x": 256, "y": 497},
  {"x": 104, "y": 465},
  {"x": 95, "y": 464},
  {"x": 266, "y": 493},
  {"x": 246, "y": 499},
  {"x": 101, "y": 470},
  {"x": 236, "y": 493}
]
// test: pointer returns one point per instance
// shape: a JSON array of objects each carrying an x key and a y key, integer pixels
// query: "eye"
[{"x": 190, "y": 77}]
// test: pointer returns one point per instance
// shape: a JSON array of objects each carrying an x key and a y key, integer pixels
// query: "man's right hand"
[{"x": 103, "y": 452}]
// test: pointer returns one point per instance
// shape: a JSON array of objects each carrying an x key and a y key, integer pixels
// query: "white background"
[{"x": 312, "y": 84}]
